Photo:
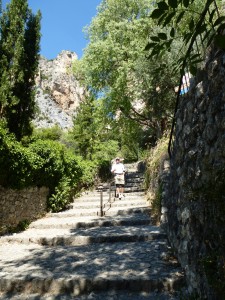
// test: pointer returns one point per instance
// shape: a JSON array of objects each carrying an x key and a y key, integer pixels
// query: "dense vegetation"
[
  {"x": 136, "y": 93},
  {"x": 137, "y": 52},
  {"x": 19, "y": 48}
]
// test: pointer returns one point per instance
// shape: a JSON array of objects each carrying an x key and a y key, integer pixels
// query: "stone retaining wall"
[
  {"x": 193, "y": 198},
  {"x": 20, "y": 205}
]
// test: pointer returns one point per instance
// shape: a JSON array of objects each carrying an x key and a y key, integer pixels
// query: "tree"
[
  {"x": 84, "y": 130},
  {"x": 92, "y": 133},
  {"x": 115, "y": 64},
  {"x": 195, "y": 23},
  {"x": 19, "y": 48}
]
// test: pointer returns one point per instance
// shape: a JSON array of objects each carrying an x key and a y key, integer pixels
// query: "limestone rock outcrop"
[{"x": 58, "y": 93}]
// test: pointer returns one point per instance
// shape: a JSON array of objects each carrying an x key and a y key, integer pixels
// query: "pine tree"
[
  {"x": 19, "y": 48},
  {"x": 84, "y": 131}
]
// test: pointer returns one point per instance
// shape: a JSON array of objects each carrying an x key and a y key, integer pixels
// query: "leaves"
[
  {"x": 180, "y": 16},
  {"x": 173, "y": 3},
  {"x": 162, "y": 36},
  {"x": 191, "y": 25},
  {"x": 219, "y": 21},
  {"x": 155, "y": 38},
  {"x": 193, "y": 69},
  {"x": 186, "y": 3},
  {"x": 169, "y": 18},
  {"x": 157, "y": 13},
  {"x": 163, "y": 5},
  {"x": 172, "y": 32},
  {"x": 149, "y": 46},
  {"x": 220, "y": 41}
]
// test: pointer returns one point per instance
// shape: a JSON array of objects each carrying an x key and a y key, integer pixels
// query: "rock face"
[{"x": 58, "y": 92}]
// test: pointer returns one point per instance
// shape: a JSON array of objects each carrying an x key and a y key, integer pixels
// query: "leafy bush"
[
  {"x": 51, "y": 156},
  {"x": 59, "y": 171},
  {"x": 49, "y": 163},
  {"x": 61, "y": 197},
  {"x": 104, "y": 170},
  {"x": 17, "y": 163},
  {"x": 89, "y": 172},
  {"x": 53, "y": 133},
  {"x": 42, "y": 163}
]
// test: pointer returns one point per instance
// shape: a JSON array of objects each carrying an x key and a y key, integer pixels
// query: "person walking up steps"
[{"x": 118, "y": 170}]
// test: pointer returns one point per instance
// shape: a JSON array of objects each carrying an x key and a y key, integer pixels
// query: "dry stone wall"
[
  {"x": 20, "y": 205},
  {"x": 193, "y": 197}
]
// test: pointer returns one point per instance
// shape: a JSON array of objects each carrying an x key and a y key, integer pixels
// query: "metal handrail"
[{"x": 102, "y": 204}]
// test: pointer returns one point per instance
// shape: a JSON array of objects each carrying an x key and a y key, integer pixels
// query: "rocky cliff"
[{"x": 58, "y": 93}]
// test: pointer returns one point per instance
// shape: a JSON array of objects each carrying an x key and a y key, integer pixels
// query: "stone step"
[
  {"x": 113, "y": 211},
  {"x": 139, "y": 267},
  {"x": 89, "y": 222},
  {"x": 91, "y": 197},
  {"x": 108, "y": 295},
  {"x": 135, "y": 175},
  {"x": 132, "y": 184},
  {"x": 76, "y": 254},
  {"x": 116, "y": 203},
  {"x": 131, "y": 180},
  {"x": 73, "y": 237},
  {"x": 134, "y": 189}
]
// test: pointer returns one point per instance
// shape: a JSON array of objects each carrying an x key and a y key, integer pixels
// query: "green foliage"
[
  {"x": 18, "y": 162},
  {"x": 62, "y": 196},
  {"x": 115, "y": 64},
  {"x": 104, "y": 170},
  {"x": 22, "y": 225},
  {"x": 51, "y": 160},
  {"x": 19, "y": 47},
  {"x": 89, "y": 172},
  {"x": 92, "y": 133},
  {"x": 198, "y": 22},
  {"x": 105, "y": 150},
  {"x": 53, "y": 133},
  {"x": 42, "y": 163},
  {"x": 84, "y": 130}
]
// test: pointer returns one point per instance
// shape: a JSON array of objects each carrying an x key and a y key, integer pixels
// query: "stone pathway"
[{"x": 76, "y": 254}]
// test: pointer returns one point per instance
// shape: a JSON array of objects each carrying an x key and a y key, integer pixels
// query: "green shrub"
[
  {"x": 59, "y": 171},
  {"x": 43, "y": 163},
  {"x": 51, "y": 157},
  {"x": 61, "y": 197},
  {"x": 89, "y": 173},
  {"x": 104, "y": 170},
  {"x": 53, "y": 133},
  {"x": 21, "y": 226},
  {"x": 17, "y": 162}
]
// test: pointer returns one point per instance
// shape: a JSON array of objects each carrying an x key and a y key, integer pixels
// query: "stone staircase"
[{"x": 76, "y": 254}]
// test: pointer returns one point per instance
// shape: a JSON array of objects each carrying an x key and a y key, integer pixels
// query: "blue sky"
[{"x": 62, "y": 24}]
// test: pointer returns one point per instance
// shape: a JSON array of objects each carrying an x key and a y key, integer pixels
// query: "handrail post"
[
  {"x": 101, "y": 200},
  {"x": 110, "y": 193}
]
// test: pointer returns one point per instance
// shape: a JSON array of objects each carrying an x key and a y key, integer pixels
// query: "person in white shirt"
[{"x": 118, "y": 170}]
